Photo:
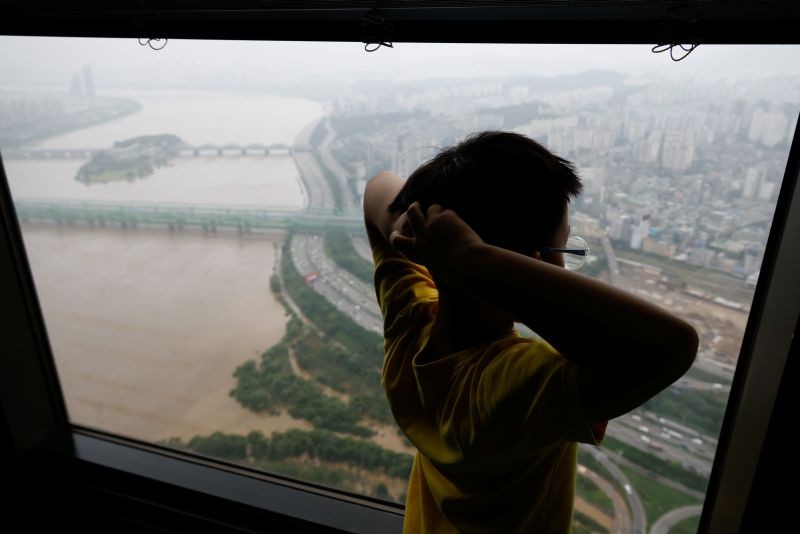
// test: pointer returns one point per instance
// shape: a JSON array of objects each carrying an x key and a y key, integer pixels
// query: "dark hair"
[{"x": 510, "y": 189}]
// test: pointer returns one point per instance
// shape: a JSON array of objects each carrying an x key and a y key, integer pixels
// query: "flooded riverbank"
[{"x": 147, "y": 326}]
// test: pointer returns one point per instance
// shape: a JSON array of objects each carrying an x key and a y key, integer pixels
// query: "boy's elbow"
[{"x": 684, "y": 350}]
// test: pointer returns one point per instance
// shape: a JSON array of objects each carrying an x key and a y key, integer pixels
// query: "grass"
[
  {"x": 657, "y": 499},
  {"x": 588, "y": 460},
  {"x": 700, "y": 410},
  {"x": 705, "y": 376},
  {"x": 586, "y": 488},
  {"x": 687, "y": 526},
  {"x": 712, "y": 280},
  {"x": 582, "y": 524},
  {"x": 665, "y": 468},
  {"x": 339, "y": 247}
]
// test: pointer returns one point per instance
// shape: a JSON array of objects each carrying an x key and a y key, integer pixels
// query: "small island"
[{"x": 130, "y": 159}]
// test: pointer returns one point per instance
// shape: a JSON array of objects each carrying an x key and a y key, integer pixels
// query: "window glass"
[{"x": 192, "y": 216}]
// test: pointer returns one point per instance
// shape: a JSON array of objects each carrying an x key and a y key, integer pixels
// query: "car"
[
  {"x": 628, "y": 489},
  {"x": 636, "y": 417},
  {"x": 644, "y": 429}
]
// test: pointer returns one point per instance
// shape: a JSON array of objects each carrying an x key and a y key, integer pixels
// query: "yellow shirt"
[{"x": 496, "y": 426}]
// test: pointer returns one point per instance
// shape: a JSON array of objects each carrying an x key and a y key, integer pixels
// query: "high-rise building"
[
  {"x": 677, "y": 150},
  {"x": 76, "y": 87},
  {"x": 88, "y": 83},
  {"x": 752, "y": 182},
  {"x": 768, "y": 127}
]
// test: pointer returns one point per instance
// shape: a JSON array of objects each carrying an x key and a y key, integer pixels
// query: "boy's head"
[{"x": 507, "y": 187}]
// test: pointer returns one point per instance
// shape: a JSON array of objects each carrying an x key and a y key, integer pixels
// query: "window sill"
[{"x": 134, "y": 480}]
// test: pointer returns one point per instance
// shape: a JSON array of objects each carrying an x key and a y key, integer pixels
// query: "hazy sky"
[{"x": 120, "y": 62}]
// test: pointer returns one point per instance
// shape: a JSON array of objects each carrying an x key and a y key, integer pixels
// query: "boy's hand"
[{"x": 434, "y": 239}]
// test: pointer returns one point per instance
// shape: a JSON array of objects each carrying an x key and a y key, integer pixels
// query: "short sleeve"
[
  {"x": 400, "y": 285},
  {"x": 528, "y": 395}
]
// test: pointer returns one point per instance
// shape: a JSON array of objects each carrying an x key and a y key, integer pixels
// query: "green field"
[
  {"x": 714, "y": 281},
  {"x": 701, "y": 410},
  {"x": 582, "y": 524},
  {"x": 705, "y": 376},
  {"x": 339, "y": 247},
  {"x": 590, "y": 491},
  {"x": 656, "y": 498},
  {"x": 670, "y": 470},
  {"x": 687, "y": 526},
  {"x": 588, "y": 460}
]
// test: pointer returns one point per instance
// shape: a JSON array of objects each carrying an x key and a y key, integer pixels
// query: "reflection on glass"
[{"x": 197, "y": 246}]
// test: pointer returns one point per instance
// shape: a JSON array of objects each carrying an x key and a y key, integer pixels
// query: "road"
[
  {"x": 672, "y": 518},
  {"x": 316, "y": 186},
  {"x": 677, "y": 446},
  {"x": 622, "y": 519},
  {"x": 340, "y": 174},
  {"x": 362, "y": 248},
  {"x": 350, "y": 296},
  {"x": 347, "y": 293},
  {"x": 634, "y": 501},
  {"x": 613, "y": 266}
]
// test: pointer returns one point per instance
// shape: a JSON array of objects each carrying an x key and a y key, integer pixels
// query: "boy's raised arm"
[
  {"x": 379, "y": 193},
  {"x": 626, "y": 348}
]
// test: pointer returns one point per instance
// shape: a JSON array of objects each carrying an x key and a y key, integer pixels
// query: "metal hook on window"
[
  {"x": 375, "y": 31},
  {"x": 153, "y": 25}
]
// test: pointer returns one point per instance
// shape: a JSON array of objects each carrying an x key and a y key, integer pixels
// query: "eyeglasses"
[{"x": 577, "y": 252}]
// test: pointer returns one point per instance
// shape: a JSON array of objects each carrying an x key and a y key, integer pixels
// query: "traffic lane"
[
  {"x": 332, "y": 292},
  {"x": 660, "y": 434},
  {"x": 622, "y": 518},
  {"x": 361, "y": 295},
  {"x": 634, "y": 501},
  {"x": 673, "y": 517},
  {"x": 633, "y": 438},
  {"x": 319, "y": 191}
]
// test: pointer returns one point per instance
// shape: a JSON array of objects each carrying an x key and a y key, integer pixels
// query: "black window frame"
[{"x": 38, "y": 436}]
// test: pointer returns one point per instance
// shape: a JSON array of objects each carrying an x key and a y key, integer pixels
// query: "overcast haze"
[{"x": 124, "y": 62}]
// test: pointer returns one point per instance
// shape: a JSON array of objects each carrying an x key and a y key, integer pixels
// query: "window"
[{"x": 203, "y": 279}]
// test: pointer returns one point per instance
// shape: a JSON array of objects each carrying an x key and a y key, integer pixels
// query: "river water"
[{"x": 147, "y": 326}]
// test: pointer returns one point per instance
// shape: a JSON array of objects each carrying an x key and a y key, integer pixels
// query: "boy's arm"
[
  {"x": 381, "y": 190},
  {"x": 626, "y": 348}
]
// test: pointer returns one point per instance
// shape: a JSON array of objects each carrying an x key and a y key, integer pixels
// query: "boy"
[{"x": 461, "y": 253}]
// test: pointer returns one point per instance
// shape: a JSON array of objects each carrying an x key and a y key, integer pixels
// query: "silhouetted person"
[{"x": 462, "y": 250}]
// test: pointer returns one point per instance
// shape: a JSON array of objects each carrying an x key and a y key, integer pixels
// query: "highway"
[
  {"x": 316, "y": 186},
  {"x": 362, "y": 248},
  {"x": 613, "y": 266},
  {"x": 673, "y": 517},
  {"x": 350, "y": 295},
  {"x": 348, "y": 199},
  {"x": 622, "y": 519},
  {"x": 638, "y": 518}
]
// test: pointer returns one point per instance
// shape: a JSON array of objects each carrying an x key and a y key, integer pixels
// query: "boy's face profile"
[{"x": 559, "y": 241}]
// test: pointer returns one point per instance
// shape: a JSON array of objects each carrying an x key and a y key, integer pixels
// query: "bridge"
[
  {"x": 208, "y": 149},
  {"x": 209, "y": 217}
]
